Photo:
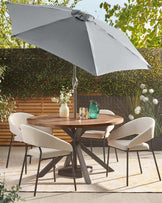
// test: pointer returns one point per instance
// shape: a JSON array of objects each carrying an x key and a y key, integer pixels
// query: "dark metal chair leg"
[
  {"x": 103, "y": 146},
  {"x": 26, "y": 160},
  {"x": 8, "y": 157},
  {"x": 30, "y": 156},
  {"x": 116, "y": 155},
  {"x": 155, "y": 161},
  {"x": 54, "y": 172},
  {"x": 139, "y": 162},
  {"x": 91, "y": 145},
  {"x": 156, "y": 164},
  {"x": 73, "y": 170},
  {"x": 26, "y": 149},
  {"x": 127, "y": 168},
  {"x": 36, "y": 182},
  {"x": 108, "y": 155},
  {"x": 30, "y": 159}
]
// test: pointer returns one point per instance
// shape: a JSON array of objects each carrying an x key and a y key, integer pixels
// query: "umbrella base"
[{"x": 68, "y": 172}]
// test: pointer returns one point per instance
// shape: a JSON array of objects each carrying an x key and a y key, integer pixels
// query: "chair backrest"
[
  {"x": 18, "y": 118},
  {"x": 111, "y": 127},
  {"x": 142, "y": 127},
  {"x": 39, "y": 138},
  {"x": 45, "y": 129},
  {"x": 106, "y": 111}
]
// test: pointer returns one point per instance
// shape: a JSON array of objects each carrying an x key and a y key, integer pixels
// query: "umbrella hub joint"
[
  {"x": 75, "y": 83},
  {"x": 82, "y": 16}
]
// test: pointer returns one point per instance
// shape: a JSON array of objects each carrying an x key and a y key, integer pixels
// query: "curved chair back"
[
  {"x": 18, "y": 118},
  {"x": 45, "y": 129},
  {"x": 111, "y": 127},
  {"x": 143, "y": 127},
  {"x": 40, "y": 138},
  {"x": 15, "y": 120},
  {"x": 106, "y": 111}
]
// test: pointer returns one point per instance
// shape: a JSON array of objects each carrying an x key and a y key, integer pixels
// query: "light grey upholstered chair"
[
  {"x": 15, "y": 120},
  {"x": 103, "y": 135},
  {"x": 46, "y": 147},
  {"x": 143, "y": 128}
]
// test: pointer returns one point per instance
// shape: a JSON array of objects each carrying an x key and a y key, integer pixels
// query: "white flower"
[
  {"x": 0, "y": 81},
  {"x": 155, "y": 101},
  {"x": 131, "y": 117},
  {"x": 151, "y": 91},
  {"x": 65, "y": 95},
  {"x": 137, "y": 110},
  {"x": 142, "y": 97},
  {"x": 144, "y": 91},
  {"x": 61, "y": 96},
  {"x": 53, "y": 99},
  {"x": 145, "y": 99},
  {"x": 142, "y": 86}
]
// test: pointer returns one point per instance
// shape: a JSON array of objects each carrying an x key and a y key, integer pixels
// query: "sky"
[{"x": 92, "y": 7}]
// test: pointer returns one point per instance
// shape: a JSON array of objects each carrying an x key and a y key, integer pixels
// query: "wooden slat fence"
[{"x": 35, "y": 106}]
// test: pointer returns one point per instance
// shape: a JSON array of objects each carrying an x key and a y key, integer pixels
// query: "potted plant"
[{"x": 65, "y": 94}]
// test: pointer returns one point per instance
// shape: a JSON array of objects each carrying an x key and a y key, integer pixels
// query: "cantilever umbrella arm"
[{"x": 75, "y": 85}]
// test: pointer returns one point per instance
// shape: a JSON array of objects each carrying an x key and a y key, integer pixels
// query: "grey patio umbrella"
[{"x": 76, "y": 37}]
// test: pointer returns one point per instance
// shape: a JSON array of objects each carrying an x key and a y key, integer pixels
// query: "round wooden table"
[{"x": 75, "y": 128}]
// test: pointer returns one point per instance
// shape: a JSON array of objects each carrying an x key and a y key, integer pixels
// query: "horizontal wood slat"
[{"x": 35, "y": 106}]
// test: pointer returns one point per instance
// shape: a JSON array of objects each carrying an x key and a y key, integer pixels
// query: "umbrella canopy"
[{"x": 76, "y": 37}]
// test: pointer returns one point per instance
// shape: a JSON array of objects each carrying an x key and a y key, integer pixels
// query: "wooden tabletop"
[{"x": 53, "y": 120}]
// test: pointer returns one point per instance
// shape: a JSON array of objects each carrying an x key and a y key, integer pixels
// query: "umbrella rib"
[
  {"x": 52, "y": 7},
  {"x": 96, "y": 72},
  {"x": 124, "y": 46},
  {"x": 42, "y": 6},
  {"x": 40, "y": 26}
]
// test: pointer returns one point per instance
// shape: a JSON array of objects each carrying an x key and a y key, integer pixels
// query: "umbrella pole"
[{"x": 75, "y": 85}]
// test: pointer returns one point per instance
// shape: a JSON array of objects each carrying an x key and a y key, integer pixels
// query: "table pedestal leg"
[
  {"x": 49, "y": 166},
  {"x": 83, "y": 165},
  {"x": 67, "y": 161},
  {"x": 81, "y": 170},
  {"x": 94, "y": 157}
]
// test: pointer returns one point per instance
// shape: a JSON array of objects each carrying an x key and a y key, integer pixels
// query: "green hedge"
[{"x": 34, "y": 72}]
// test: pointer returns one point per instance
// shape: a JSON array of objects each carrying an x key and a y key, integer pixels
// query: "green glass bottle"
[{"x": 93, "y": 109}]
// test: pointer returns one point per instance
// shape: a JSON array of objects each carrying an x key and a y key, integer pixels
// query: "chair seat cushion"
[
  {"x": 46, "y": 152},
  {"x": 124, "y": 145},
  {"x": 95, "y": 134}
]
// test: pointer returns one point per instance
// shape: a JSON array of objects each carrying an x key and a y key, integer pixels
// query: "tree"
[
  {"x": 140, "y": 19},
  {"x": 5, "y": 25}
]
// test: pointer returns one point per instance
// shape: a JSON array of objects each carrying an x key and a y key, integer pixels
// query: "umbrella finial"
[{"x": 81, "y": 15}]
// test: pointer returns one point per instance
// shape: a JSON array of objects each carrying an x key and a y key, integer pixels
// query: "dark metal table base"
[
  {"x": 67, "y": 171},
  {"x": 75, "y": 134}
]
